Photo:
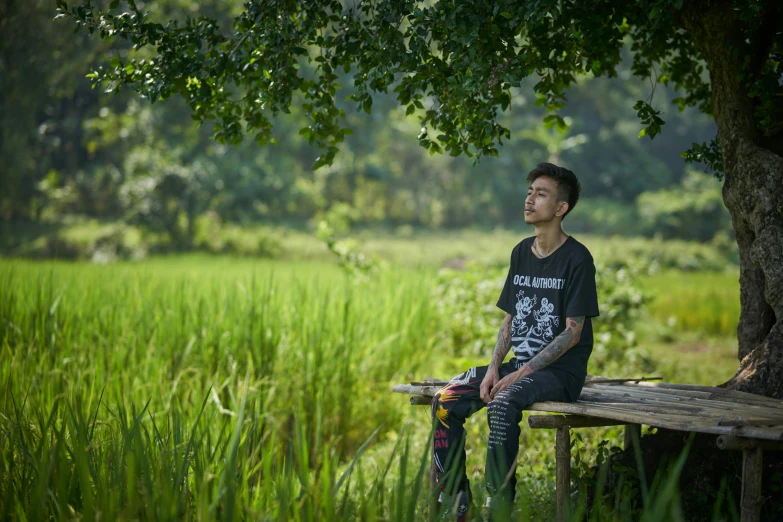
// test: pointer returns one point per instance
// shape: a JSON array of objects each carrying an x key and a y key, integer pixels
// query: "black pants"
[{"x": 460, "y": 399}]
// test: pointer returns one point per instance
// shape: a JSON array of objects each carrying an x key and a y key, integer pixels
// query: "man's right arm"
[
  {"x": 501, "y": 349},
  {"x": 503, "y": 344}
]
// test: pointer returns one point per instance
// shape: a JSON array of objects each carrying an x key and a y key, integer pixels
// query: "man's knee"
[
  {"x": 500, "y": 410},
  {"x": 496, "y": 409},
  {"x": 439, "y": 412},
  {"x": 447, "y": 407}
]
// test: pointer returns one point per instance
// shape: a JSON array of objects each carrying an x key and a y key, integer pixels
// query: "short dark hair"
[{"x": 568, "y": 186}]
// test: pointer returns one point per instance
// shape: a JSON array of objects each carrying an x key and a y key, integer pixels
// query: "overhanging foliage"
[{"x": 453, "y": 62}]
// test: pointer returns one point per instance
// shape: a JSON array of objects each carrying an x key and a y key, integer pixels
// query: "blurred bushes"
[
  {"x": 108, "y": 242},
  {"x": 718, "y": 255},
  {"x": 219, "y": 238},
  {"x": 693, "y": 210},
  {"x": 85, "y": 240},
  {"x": 603, "y": 217}
]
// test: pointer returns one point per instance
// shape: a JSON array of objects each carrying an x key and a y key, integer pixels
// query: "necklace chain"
[{"x": 539, "y": 253}]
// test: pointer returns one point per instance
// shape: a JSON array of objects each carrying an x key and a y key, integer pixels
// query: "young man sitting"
[{"x": 549, "y": 297}]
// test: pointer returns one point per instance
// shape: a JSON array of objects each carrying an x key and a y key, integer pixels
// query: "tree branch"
[{"x": 761, "y": 46}]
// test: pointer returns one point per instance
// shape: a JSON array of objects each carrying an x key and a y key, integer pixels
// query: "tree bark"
[{"x": 753, "y": 194}]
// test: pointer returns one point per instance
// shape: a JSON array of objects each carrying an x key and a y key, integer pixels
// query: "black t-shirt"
[{"x": 540, "y": 293}]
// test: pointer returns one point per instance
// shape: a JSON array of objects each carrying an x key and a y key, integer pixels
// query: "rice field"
[
  {"x": 202, "y": 388},
  {"x": 705, "y": 303}
]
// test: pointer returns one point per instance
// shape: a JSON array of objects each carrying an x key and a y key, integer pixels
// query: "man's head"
[{"x": 552, "y": 194}]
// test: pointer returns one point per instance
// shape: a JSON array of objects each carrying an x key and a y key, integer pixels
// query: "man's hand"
[
  {"x": 490, "y": 380},
  {"x": 508, "y": 380}
]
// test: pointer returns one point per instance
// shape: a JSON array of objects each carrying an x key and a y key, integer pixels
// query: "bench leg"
[
  {"x": 563, "y": 471},
  {"x": 750, "y": 502},
  {"x": 631, "y": 431}
]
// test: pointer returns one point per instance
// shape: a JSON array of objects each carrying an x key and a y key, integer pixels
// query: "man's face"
[{"x": 541, "y": 204}]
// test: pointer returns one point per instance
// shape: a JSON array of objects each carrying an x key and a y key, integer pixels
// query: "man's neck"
[{"x": 548, "y": 238}]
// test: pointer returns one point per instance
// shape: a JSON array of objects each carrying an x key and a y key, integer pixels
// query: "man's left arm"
[{"x": 560, "y": 345}]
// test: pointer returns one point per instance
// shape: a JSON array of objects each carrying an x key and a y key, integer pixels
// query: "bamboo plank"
[
  {"x": 696, "y": 408},
  {"x": 430, "y": 382},
  {"x": 759, "y": 432},
  {"x": 690, "y": 401},
  {"x": 674, "y": 422},
  {"x": 659, "y": 409},
  {"x": 654, "y": 405},
  {"x": 604, "y": 380},
  {"x": 743, "y": 421},
  {"x": 411, "y": 389},
  {"x": 730, "y": 442},
  {"x": 712, "y": 389},
  {"x": 621, "y": 413},
  {"x": 705, "y": 395}
]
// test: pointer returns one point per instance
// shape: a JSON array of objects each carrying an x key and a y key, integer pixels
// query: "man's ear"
[{"x": 562, "y": 208}]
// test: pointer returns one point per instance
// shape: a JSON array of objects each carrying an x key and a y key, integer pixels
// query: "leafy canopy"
[{"x": 455, "y": 63}]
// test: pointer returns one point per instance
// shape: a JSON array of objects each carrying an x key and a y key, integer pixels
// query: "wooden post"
[
  {"x": 750, "y": 502},
  {"x": 563, "y": 471},
  {"x": 631, "y": 431}
]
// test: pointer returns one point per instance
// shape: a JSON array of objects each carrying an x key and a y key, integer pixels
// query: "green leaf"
[{"x": 506, "y": 15}]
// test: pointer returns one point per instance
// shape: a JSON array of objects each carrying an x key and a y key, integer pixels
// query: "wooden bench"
[{"x": 740, "y": 421}]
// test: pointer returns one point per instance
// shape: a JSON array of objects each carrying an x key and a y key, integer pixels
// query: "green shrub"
[
  {"x": 219, "y": 238},
  {"x": 85, "y": 240},
  {"x": 603, "y": 217},
  {"x": 692, "y": 211}
]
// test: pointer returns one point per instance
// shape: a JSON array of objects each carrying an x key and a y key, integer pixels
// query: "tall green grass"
[
  {"x": 206, "y": 389},
  {"x": 199, "y": 388}
]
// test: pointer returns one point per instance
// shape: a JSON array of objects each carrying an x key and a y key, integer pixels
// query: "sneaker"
[
  {"x": 461, "y": 510},
  {"x": 493, "y": 511}
]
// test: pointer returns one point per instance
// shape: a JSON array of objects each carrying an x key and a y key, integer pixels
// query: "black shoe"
[{"x": 463, "y": 510}]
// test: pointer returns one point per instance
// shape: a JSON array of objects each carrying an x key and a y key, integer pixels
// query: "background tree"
[
  {"x": 457, "y": 65},
  {"x": 68, "y": 149}
]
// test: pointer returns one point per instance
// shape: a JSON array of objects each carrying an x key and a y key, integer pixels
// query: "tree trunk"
[{"x": 753, "y": 193}]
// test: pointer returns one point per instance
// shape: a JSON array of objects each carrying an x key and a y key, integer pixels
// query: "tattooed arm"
[
  {"x": 561, "y": 344},
  {"x": 503, "y": 344},
  {"x": 501, "y": 349}
]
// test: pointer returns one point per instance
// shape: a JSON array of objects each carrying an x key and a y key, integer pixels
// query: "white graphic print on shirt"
[{"x": 531, "y": 338}]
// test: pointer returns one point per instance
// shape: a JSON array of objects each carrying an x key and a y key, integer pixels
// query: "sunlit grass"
[
  {"x": 701, "y": 302},
  {"x": 108, "y": 370},
  {"x": 206, "y": 388}
]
